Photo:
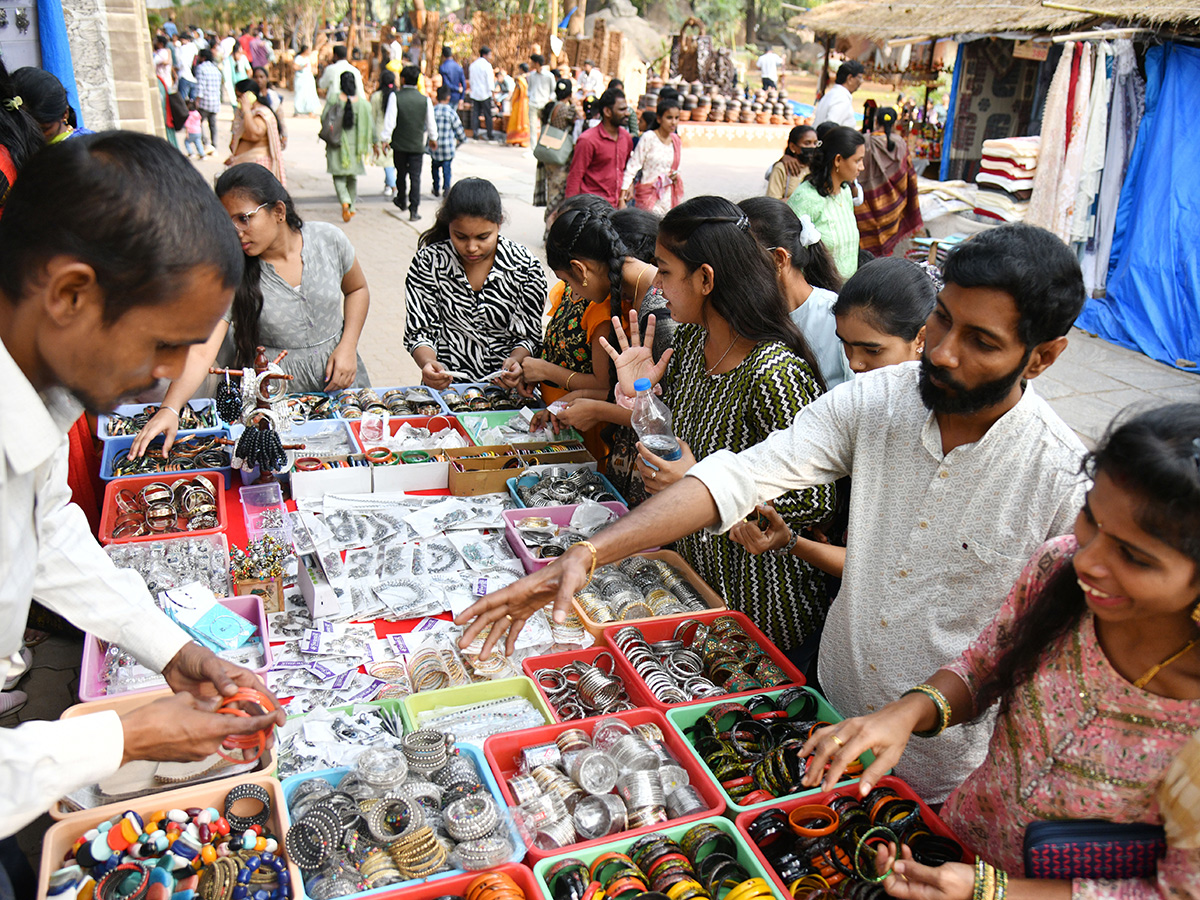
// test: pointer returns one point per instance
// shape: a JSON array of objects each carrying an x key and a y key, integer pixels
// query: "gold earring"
[
  {"x": 584, "y": 284},
  {"x": 1196, "y": 613}
]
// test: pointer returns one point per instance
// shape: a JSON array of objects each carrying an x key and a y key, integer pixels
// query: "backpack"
[
  {"x": 331, "y": 126},
  {"x": 178, "y": 111}
]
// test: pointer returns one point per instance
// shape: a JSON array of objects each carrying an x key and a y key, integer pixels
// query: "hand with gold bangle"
[{"x": 911, "y": 880}]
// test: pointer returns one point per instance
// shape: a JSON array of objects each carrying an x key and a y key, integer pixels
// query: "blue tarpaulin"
[
  {"x": 1153, "y": 300},
  {"x": 56, "y": 52}
]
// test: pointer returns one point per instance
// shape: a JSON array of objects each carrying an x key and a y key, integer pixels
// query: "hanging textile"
[
  {"x": 1095, "y": 136},
  {"x": 1153, "y": 299},
  {"x": 1125, "y": 113},
  {"x": 991, "y": 97},
  {"x": 56, "y": 51},
  {"x": 1054, "y": 144},
  {"x": 1052, "y": 205}
]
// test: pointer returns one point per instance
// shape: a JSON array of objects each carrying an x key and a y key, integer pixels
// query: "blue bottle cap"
[{"x": 642, "y": 384}]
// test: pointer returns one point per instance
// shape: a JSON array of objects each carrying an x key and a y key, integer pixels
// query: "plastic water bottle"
[{"x": 652, "y": 421}]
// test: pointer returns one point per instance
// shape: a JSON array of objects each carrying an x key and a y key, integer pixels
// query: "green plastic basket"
[
  {"x": 471, "y": 422},
  {"x": 684, "y": 717},
  {"x": 470, "y": 694},
  {"x": 745, "y": 855}
]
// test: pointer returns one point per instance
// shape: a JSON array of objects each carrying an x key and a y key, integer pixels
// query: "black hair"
[
  {"x": 669, "y": 93},
  {"x": 562, "y": 89},
  {"x": 537, "y": 59},
  {"x": 775, "y": 225},
  {"x": 895, "y": 295},
  {"x": 410, "y": 74},
  {"x": 587, "y": 233},
  {"x": 746, "y": 293},
  {"x": 20, "y": 134},
  {"x": 262, "y": 69},
  {"x": 650, "y": 118},
  {"x": 304, "y": 48},
  {"x": 824, "y": 128},
  {"x": 339, "y": 52},
  {"x": 884, "y": 117},
  {"x": 475, "y": 197},
  {"x": 387, "y": 85},
  {"x": 41, "y": 94},
  {"x": 608, "y": 100},
  {"x": 443, "y": 93},
  {"x": 797, "y": 134},
  {"x": 160, "y": 41},
  {"x": 1151, "y": 454},
  {"x": 446, "y": 51},
  {"x": 615, "y": 84},
  {"x": 249, "y": 85},
  {"x": 638, "y": 229},
  {"x": 664, "y": 105},
  {"x": 848, "y": 69},
  {"x": 523, "y": 67},
  {"x": 1031, "y": 265},
  {"x": 259, "y": 186},
  {"x": 349, "y": 87},
  {"x": 838, "y": 141},
  {"x": 206, "y": 55},
  {"x": 485, "y": 50},
  {"x": 142, "y": 217}
]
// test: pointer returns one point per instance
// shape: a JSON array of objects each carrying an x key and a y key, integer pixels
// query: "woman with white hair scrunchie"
[{"x": 807, "y": 277}]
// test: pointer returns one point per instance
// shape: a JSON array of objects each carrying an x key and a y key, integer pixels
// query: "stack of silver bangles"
[
  {"x": 580, "y": 689},
  {"x": 638, "y": 588},
  {"x": 670, "y": 671}
]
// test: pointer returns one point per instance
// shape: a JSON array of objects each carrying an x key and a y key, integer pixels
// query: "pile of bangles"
[
  {"x": 828, "y": 850},
  {"x": 474, "y": 399},
  {"x": 310, "y": 407},
  {"x": 556, "y": 486},
  {"x": 752, "y": 748},
  {"x": 189, "y": 453},
  {"x": 353, "y": 403},
  {"x": 190, "y": 419},
  {"x": 720, "y": 658},
  {"x": 703, "y": 864},
  {"x": 166, "y": 507},
  {"x": 383, "y": 456},
  {"x": 196, "y": 852},
  {"x": 320, "y": 463},
  {"x": 579, "y": 690}
]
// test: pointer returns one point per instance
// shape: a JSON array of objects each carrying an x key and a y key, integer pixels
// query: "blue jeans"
[
  {"x": 188, "y": 90},
  {"x": 441, "y": 167},
  {"x": 389, "y": 176},
  {"x": 193, "y": 140}
]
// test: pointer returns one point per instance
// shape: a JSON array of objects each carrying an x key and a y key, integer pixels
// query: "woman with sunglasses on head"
[
  {"x": 739, "y": 370},
  {"x": 302, "y": 291},
  {"x": 1093, "y": 668}
]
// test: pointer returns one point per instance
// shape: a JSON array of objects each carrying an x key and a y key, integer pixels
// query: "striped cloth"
[{"x": 890, "y": 210}]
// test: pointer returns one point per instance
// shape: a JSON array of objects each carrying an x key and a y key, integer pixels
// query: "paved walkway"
[{"x": 1088, "y": 386}]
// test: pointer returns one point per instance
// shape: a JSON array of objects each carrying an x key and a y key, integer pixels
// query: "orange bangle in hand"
[{"x": 245, "y": 741}]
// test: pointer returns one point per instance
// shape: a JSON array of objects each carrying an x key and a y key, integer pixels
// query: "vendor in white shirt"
[
  {"x": 95, "y": 307},
  {"x": 591, "y": 80},
  {"x": 960, "y": 472},
  {"x": 837, "y": 105}
]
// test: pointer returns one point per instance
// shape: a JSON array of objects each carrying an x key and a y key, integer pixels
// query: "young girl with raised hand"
[
  {"x": 1093, "y": 667},
  {"x": 880, "y": 316},
  {"x": 740, "y": 369}
]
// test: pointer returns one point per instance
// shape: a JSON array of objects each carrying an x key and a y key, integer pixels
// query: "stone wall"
[{"x": 111, "y": 52}]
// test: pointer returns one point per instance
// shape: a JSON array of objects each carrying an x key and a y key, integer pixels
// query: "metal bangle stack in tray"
[
  {"x": 638, "y": 588},
  {"x": 558, "y": 487},
  {"x": 310, "y": 407},
  {"x": 395, "y": 817},
  {"x": 473, "y": 399},
  {"x": 353, "y": 402},
  {"x": 720, "y": 659},
  {"x": 190, "y": 419},
  {"x": 580, "y": 690},
  {"x": 583, "y": 787}
]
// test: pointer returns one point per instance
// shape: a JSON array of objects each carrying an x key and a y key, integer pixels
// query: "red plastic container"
[
  {"x": 416, "y": 422},
  {"x": 502, "y": 753},
  {"x": 638, "y": 694},
  {"x": 108, "y": 517},
  {"x": 936, "y": 825},
  {"x": 662, "y": 629},
  {"x": 457, "y": 886}
]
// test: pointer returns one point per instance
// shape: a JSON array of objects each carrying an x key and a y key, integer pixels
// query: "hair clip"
[
  {"x": 1196, "y": 451},
  {"x": 743, "y": 223},
  {"x": 809, "y": 234}
]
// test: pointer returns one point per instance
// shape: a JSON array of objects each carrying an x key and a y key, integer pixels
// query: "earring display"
[{"x": 173, "y": 563}]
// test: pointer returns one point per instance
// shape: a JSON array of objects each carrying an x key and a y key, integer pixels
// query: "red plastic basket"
[
  {"x": 661, "y": 630},
  {"x": 936, "y": 825},
  {"x": 638, "y": 694},
  {"x": 503, "y": 755},
  {"x": 457, "y": 885},
  {"x": 108, "y": 518}
]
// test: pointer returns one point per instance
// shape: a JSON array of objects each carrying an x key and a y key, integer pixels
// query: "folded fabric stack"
[{"x": 1005, "y": 179}]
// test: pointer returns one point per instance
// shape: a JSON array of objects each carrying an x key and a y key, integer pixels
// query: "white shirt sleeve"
[
  {"x": 389, "y": 117},
  {"x": 816, "y": 448},
  {"x": 43, "y": 761},
  {"x": 431, "y": 129}
]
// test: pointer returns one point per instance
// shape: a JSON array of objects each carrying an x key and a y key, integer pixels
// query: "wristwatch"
[{"x": 786, "y": 549}]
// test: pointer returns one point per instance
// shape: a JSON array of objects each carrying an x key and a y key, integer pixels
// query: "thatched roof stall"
[{"x": 897, "y": 19}]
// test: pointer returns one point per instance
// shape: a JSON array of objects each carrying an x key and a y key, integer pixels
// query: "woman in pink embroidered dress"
[{"x": 1094, "y": 663}]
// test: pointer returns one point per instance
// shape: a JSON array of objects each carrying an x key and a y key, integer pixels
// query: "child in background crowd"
[
  {"x": 450, "y": 134},
  {"x": 192, "y": 126}
]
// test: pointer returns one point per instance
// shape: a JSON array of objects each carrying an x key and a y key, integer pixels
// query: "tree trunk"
[
  {"x": 751, "y": 21},
  {"x": 418, "y": 15},
  {"x": 575, "y": 26},
  {"x": 351, "y": 29}
]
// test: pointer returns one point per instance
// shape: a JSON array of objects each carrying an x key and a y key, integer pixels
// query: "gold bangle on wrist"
[
  {"x": 940, "y": 703},
  {"x": 592, "y": 547},
  {"x": 567, "y": 386}
]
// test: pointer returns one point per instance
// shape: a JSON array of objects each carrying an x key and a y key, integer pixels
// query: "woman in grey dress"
[{"x": 302, "y": 291}]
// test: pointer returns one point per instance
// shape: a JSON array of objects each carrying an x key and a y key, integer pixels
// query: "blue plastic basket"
[{"x": 608, "y": 486}]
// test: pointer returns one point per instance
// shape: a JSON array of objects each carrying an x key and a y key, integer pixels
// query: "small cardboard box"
[{"x": 270, "y": 590}]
